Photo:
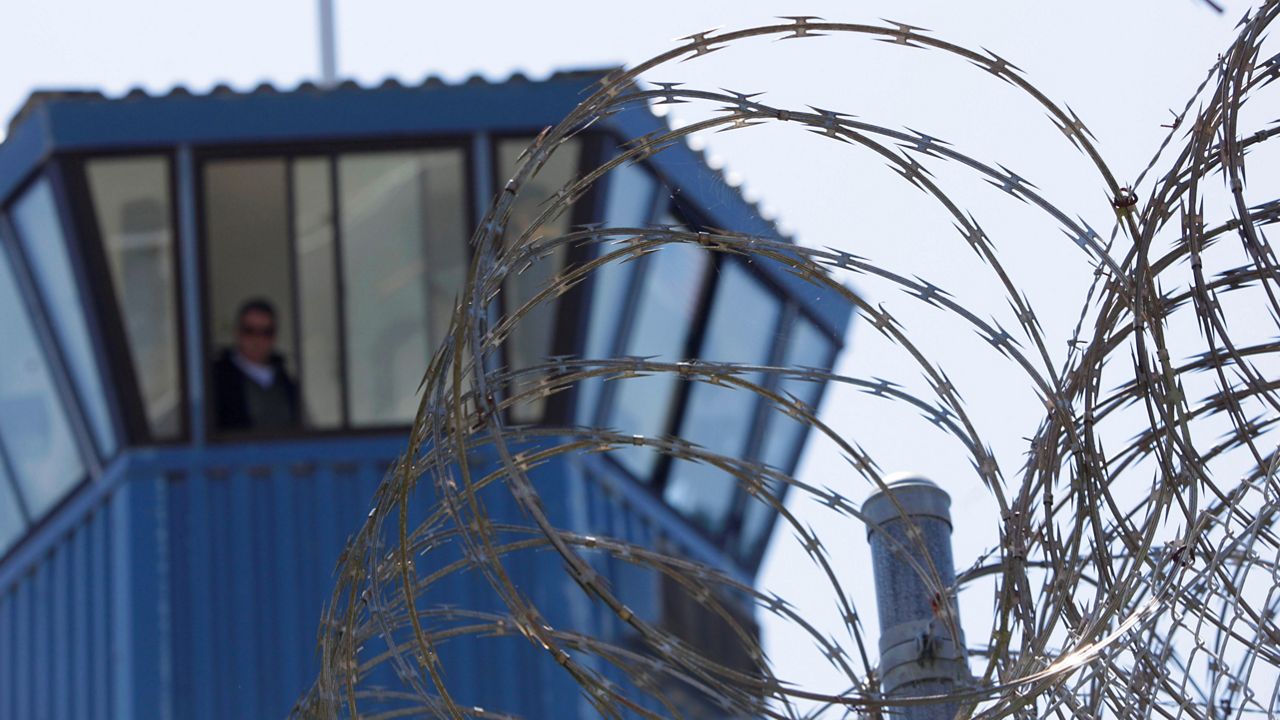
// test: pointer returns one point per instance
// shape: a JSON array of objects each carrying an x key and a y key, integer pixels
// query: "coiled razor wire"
[{"x": 1133, "y": 578}]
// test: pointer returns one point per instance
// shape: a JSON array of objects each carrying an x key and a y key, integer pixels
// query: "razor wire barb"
[{"x": 1107, "y": 602}]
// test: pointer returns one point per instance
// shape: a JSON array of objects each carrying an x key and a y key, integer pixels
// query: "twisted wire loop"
[{"x": 1136, "y": 575}]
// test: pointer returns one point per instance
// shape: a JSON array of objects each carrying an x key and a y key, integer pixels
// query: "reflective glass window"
[
  {"x": 131, "y": 204},
  {"x": 362, "y": 290},
  {"x": 249, "y": 258},
  {"x": 35, "y": 216},
  {"x": 11, "y": 522},
  {"x": 247, "y": 235},
  {"x": 532, "y": 338},
  {"x": 34, "y": 428},
  {"x": 403, "y": 237},
  {"x": 741, "y": 329},
  {"x": 629, "y": 200},
  {"x": 319, "y": 371},
  {"x": 806, "y": 346},
  {"x": 666, "y": 305}
]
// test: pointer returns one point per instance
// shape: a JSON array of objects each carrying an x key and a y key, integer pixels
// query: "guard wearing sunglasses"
[{"x": 251, "y": 389}]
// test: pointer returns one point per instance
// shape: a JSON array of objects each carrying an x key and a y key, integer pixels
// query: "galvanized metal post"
[
  {"x": 328, "y": 45},
  {"x": 922, "y": 649}
]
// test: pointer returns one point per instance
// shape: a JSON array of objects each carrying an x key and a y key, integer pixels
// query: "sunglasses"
[{"x": 264, "y": 331}]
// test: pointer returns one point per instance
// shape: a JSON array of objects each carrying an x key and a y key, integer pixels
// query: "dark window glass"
[
  {"x": 320, "y": 373},
  {"x": 247, "y": 232},
  {"x": 741, "y": 329},
  {"x": 34, "y": 428},
  {"x": 532, "y": 337},
  {"x": 403, "y": 265},
  {"x": 628, "y": 203},
  {"x": 666, "y": 305},
  {"x": 11, "y": 522},
  {"x": 35, "y": 216},
  {"x": 131, "y": 204},
  {"x": 806, "y": 346},
  {"x": 392, "y": 252},
  {"x": 247, "y": 236}
]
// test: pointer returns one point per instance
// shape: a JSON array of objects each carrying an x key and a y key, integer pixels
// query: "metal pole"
[
  {"x": 328, "y": 46},
  {"x": 189, "y": 270},
  {"x": 922, "y": 649}
]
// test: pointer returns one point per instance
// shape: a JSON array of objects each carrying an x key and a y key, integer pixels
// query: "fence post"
[{"x": 922, "y": 650}]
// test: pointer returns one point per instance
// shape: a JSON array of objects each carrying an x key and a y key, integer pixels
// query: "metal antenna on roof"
[{"x": 328, "y": 46}]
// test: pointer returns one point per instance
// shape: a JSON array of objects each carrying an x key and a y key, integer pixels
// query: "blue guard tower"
[{"x": 156, "y": 564}]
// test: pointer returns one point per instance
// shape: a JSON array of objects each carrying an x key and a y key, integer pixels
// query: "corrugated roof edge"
[{"x": 42, "y": 96}]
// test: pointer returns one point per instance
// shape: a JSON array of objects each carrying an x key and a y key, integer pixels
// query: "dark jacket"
[{"x": 230, "y": 406}]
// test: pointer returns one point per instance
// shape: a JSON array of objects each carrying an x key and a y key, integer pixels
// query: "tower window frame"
[
  {"x": 290, "y": 155},
  {"x": 790, "y": 310}
]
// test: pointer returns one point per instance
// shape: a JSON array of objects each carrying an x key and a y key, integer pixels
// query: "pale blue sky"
[{"x": 1121, "y": 66}]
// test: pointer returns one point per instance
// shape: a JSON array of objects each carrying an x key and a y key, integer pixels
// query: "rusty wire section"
[{"x": 1136, "y": 576}]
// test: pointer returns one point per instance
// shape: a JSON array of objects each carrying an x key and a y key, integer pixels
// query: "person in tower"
[{"x": 251, "y": 388}]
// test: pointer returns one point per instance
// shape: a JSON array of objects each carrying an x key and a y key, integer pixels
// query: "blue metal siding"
[
  {"x": 254, "y": 549},
  {"x": 193, "y": 587},
  {"x": 60, "y": 675},
  {"x": 98, "y": 601},
  {"x": 43, "y": 652},
  {"x": 7, "y": 640},
  {"x": 55, "y": 629},
  {"x": 23, "y": 658}
]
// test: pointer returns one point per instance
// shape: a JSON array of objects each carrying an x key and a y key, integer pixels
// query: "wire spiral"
[{"x": 1136, "y": 575}]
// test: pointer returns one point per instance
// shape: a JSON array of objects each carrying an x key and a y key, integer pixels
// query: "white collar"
[{"x": 263, "y": 375}]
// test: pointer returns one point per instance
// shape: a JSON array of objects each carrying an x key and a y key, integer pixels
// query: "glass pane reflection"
[
  {"x": 35, "y": 216},
  {"x": 404, "y": 260},
  {"x": 664, "y": 312},
  {"x": 628, "y": 203},
  {"x": 33, "y": 424},
  {"x": 319, "y": 368},
  {"x": 740, "y": 329},
  {"x": 806, "y": 346},
  {"x": 247, "y": 231},
  {"x": 131, "y": 204},
  {"x": 533, "y": 336},
  {"x": 248, "y": 251}
]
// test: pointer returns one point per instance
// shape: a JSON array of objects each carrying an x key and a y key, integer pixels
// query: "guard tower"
[{"x": 155, "y": 565}]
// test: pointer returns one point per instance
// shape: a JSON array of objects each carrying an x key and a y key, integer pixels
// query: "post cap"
[{"x": 918, "y": 496}]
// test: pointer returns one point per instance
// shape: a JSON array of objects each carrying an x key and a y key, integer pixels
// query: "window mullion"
[
  {"x": 483, "y": 166},
  {"x": 295, "y": 286},
  {"x": 340, "y": 288},
  {"x": 189, "y": 261},
  {"x": 428, "y": 255}
]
